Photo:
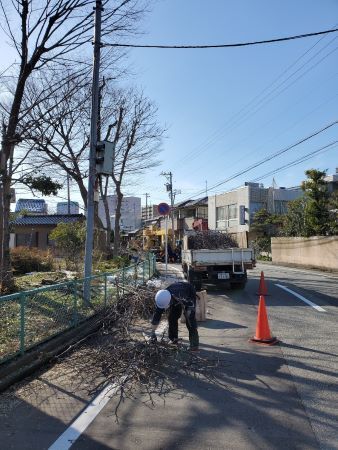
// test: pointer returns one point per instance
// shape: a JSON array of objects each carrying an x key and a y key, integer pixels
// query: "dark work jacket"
[{"x": 182, "y": 293}]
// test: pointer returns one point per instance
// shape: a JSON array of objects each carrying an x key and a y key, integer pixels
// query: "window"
[
  {"x": 26, "y": 239},
  {"x": 220, "y": 217},
  {"x": 227, "y": 216}
]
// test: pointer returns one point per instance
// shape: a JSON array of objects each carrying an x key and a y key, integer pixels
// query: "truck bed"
[{"x": 218, "y": 257}]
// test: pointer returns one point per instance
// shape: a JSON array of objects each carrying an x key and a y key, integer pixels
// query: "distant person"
[
  {"x": 171, "y": 254},
  {"x": 177, "y": 297}
]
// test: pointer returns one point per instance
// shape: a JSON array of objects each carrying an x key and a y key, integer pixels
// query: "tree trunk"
[
  {"x": 1, "y": 233},
  {"x": 6, "y": 156},
  {"x": 117, "y": 238},
  {"x": 6, "y": 276},
  {"x": 107, "y": 214},
  {"x": 82, "y": 188}
]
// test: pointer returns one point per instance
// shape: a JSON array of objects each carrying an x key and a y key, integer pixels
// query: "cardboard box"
[{"x": 201, "y": 307}]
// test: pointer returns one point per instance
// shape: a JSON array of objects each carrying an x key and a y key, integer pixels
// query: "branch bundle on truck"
[
  {"x": 214, "y": 257},
  {"x": 211, "y": 240}
]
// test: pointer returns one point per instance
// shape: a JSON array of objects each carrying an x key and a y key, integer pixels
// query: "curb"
[{"x": 22, "y": 366}]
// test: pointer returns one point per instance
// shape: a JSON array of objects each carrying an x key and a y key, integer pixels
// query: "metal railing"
[{"x": 31, "y": 317}]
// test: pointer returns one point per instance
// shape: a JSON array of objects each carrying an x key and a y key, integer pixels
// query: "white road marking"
[
  {"x": 318, "y": 308},
  {"x": 67, "y": 439}
]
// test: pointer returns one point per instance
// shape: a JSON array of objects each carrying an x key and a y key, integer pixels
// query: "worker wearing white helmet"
[{"x": 177, "y": 297}]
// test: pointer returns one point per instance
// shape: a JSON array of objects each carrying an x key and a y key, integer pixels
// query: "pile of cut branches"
[
  {"x": 119, "y": 352},
  {"x": 210, "y": 240}
]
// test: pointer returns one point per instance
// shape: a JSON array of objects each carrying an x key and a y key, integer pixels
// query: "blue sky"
[
  {"x": 202, "y": 94},
  {"x": 199, "y": 92}
]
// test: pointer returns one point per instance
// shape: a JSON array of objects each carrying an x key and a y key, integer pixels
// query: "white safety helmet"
[{"x": 162, "y": 298}]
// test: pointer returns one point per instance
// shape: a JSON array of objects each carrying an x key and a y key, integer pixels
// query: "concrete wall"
[{"x": 317, "y": 252}]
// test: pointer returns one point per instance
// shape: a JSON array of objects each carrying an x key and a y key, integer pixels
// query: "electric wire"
[
  {"x": 238, "y": 44},
  {"x": 219, "y": 131},
  {"x": 234, "y": 147},
  {"x": 262, "y": 102},
  {"x": 269, "y": 158},
  {"x": 295, "y": 162}
]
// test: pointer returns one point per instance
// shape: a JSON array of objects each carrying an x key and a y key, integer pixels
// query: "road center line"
[
  {"x": 68, "y": 437},
  {"x": 305, "y": 300}
]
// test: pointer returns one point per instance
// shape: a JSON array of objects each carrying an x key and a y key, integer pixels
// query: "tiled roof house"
[{"x": 34, "y": 230}]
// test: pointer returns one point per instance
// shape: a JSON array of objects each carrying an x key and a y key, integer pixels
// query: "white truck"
[{"x": 217, "y": 266}]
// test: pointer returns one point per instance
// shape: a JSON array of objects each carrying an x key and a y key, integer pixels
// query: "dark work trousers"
[{"x": 175, "y": 312}]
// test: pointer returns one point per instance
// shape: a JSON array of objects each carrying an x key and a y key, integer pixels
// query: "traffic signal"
[{"x": 104, "y": 157}]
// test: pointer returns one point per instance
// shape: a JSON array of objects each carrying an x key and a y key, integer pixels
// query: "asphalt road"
[{"x": 280, "y": 397}]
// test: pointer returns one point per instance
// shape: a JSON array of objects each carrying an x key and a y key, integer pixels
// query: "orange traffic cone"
[
  {"x": 262, "y": 290},
  {"x": 263, "y": 335}
]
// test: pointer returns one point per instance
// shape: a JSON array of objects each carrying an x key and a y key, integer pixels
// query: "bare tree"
[
  {"x": 136, "y": 137},
  {"x": 44, "y": 36},
  {"x": 59, "y": 133},
  {"x": 61, "y": 136}
]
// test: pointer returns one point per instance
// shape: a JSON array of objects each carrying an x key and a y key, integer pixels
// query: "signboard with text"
[{"x": 241, "y": 214}]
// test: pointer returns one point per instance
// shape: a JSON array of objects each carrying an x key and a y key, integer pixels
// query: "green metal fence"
[{"x": 31, "y": 317}]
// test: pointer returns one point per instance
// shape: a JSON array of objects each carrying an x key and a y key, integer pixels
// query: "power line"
[
  {"x": 269, "y": 158},
  {"x": 253, "y": 109},
  {"x": 299, "y": 160},
  {"x": 295, "y": 162},
  {"x": 239, "y": 44},
  {"x": 259, "y": 147}
]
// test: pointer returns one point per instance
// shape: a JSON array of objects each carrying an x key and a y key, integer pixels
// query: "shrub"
[
  {"x": 262, "y": 247},
  {"x": 25, "y": 259},
  {"x": 112, "y": 264},
  {"x": 70, "y": 238}
]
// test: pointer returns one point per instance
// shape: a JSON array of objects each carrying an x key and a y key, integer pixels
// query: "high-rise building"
[
  {"x": 149, "y": 212},
  {"x": 62, "y": 208},
  {"x": 130, "y": 212},
  {"x": 31, "y": 206}
]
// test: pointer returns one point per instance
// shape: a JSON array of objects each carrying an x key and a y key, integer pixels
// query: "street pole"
[
  {"x": 166, "y": 245},
  {"x": 172, "y": 209},
  {"x": 146, "y": 196},
  {"x": 92, "y": 154}
]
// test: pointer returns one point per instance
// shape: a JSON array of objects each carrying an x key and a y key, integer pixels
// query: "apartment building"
[
  {"x": 149, "y": 212},
  {"x": 233, "y": 211},
  {"x": 130, "y": 212}
]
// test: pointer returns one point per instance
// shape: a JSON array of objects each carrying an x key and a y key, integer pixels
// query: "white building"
[
  {"x": 130, "y": 212},
  {"x": 150, "y": 212},
  {"x": 332, "y": 181},
  {"x": 62, "y": 208},
  {"x": 233, "y": 211}
]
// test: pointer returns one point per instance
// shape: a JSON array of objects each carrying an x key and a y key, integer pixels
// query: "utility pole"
[
  {"x": 146, "y": 196},
  {"x": 172, "y": 194},
  {"x": 206, "y": 188},
  {"x": 92, "y": 154}
]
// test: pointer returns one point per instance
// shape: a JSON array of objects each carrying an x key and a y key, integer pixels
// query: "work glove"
[{"x": 153, "y": 337}]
